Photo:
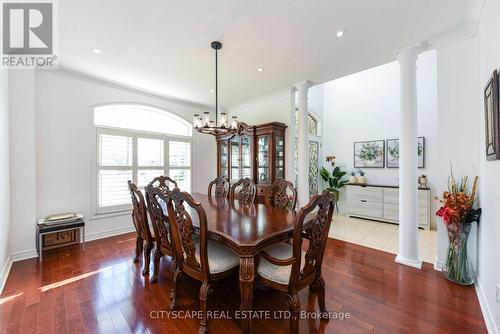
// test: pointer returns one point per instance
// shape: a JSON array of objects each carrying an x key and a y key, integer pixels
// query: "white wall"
[
  {"x": 4, "y": 176},
  {"x": 274, "y": 107},
  {"x": 489, "y": 171},
  {"x": 365, "y": 106},
  {"x": 458, "y": 125},
  {"x": 22, "y": 163},
  {"x": 60, "y": 153}
]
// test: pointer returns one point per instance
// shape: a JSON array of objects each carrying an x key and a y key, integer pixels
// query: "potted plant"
[
  {"x": 361, "y": 177},
  {"x": 353, "y": 179},
  {"x": 459, "y": 210},
  {"x": 335, "y": 180}
]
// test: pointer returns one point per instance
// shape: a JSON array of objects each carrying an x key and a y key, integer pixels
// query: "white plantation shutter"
[
  {"x": 182, "y": 177},
  {"x": 140, "y": 157},
  {"x": 179, "y": 157},
  {"x": 179, "y": 154},
  {"x": 150, "y": 152},
  {"x": 138, "y": 143},
  {"x": 113, "y": 188},
  {"x": 115, "y": 150}
]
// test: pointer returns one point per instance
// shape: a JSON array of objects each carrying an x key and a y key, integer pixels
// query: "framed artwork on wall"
[
  {"x": 369, "y": 154},
  {"x": 393, "y": 153},
  {"x": 492, "y": 135}
]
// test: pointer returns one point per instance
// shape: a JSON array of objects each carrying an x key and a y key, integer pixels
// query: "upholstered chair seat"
[
  {"x": 220, "y": 258},
  {"x": 272, "y": 272}
]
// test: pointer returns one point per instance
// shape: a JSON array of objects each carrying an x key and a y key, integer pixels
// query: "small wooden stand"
[{"x": 45, "y": 229}]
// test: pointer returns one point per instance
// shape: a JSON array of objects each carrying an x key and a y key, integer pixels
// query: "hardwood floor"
[{"x": 99, "y": 289}]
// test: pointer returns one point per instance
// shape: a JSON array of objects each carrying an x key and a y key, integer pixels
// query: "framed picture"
[
  {"x": 369, "y": 154},
  {"x": 491, "y": 118},
  {"x": 393, "y": 153}
]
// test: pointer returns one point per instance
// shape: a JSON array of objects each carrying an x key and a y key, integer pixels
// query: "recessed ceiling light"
[
  {"x": 340, "y": 33},
  {"x": 261, "y": 69},
  {"x": 212, "y": 91},
  {"x": 96, "y": 50}
]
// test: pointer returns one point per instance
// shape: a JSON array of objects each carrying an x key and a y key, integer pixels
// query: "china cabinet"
[{"x": 256, "y": 152}]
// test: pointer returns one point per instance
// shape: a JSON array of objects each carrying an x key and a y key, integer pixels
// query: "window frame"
[{"x": 134, "y": 134}]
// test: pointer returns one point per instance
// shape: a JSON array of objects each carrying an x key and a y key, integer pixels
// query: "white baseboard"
[
  {"x": 487, "y": 315},
  {"x": 5, "y": 273},
  {"x": 23, "y": 255},
  {"x": 438, "y": 265},
  {"x": 109, "y": 233},
  {"x": 417, "y": 264}
]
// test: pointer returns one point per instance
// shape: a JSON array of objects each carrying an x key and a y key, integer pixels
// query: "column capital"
[
  {"x": 303, "y": 85},
  {"x": 408, "y": 55}
]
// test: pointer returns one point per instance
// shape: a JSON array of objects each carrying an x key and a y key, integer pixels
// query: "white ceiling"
[{"x": 163, "y": 46}]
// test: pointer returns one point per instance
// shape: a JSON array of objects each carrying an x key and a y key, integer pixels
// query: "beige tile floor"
[{"x": 381, "y": 236}]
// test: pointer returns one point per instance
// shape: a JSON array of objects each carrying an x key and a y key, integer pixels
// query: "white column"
[
  {"x": 408, "y": 188},
  {"x": 303, "y": 143}
]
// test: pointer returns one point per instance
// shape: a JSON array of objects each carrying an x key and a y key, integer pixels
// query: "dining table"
[{"x": 246, "y": 229}]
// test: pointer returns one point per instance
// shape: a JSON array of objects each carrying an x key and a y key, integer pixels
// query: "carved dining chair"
[
  {"x": 140, "y": 220},
  {"x": 289, "y": 269},
  {"x": 281, "y": 194},
  {"x": 202, "y": 259},
  {"x": 162, "y": 182},
  {"x": 247, "y": 193},
  {"x": 161, "y": 224},
  {"x": 221, "y": 187}
]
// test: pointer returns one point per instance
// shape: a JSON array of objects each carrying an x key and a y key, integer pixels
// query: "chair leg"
[
  {"x": 173, "y": 290},
  {"x": 147, "y": 258},
  {"x": 204, "y": 292},
  {"x": 138, "y": 248},
  {"x": 319, "y": 286},
  {"x": 156, "y": 265},
  {"x": 294, "y": 304}
]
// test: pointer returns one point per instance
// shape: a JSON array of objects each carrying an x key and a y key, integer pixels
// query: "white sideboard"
[{"x": 382, "y": 203}]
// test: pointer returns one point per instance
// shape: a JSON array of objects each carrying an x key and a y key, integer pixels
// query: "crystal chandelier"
[{"x": 204, "y": 124}]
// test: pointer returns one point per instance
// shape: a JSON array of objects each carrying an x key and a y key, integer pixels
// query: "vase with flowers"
[{"x": 459, "y": 210}]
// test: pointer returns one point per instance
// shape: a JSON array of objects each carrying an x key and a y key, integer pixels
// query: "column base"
[{"x": 417, "y": 264}]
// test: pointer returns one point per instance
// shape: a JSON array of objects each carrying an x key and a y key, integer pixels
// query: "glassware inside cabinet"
[
  {"x": 263, "y": 159},
  {"x": 280, "y": 158},
  {"x": 235, "y": 159},
  {"x": 246, "y": 158},
  {"x": 223, "y": 161}
]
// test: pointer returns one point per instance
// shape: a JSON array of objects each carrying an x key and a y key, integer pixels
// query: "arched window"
[
  {"x": 137, "y": 142},
  {"x": 141, "y": 118}
]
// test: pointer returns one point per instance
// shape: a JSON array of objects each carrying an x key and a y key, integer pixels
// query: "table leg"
[
  {"x": 247, "y": 275},
  {"x": 40, "y": 246}
]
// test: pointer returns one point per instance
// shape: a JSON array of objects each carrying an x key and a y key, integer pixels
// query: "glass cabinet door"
[
  {"x": 235, "y": 159},
  {"x": 280, "y": 158},
  {"x": 246, "y": 157},
  {"x": 223, "y": 159},
  {"x": 263, "y": 159}
]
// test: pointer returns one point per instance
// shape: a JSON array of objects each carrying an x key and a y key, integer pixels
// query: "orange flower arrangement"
[{"x": 459, "y": 210}]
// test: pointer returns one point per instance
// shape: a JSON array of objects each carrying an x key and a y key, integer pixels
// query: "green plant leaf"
[{"x": 325, "y": 175}]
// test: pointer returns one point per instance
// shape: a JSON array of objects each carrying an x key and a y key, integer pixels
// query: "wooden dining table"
[{"x": 246, "y": 229}]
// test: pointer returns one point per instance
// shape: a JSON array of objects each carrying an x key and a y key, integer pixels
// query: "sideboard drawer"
[
  {"x": 391, "y": 196},
  {"x": 391, "y": 212},
  {"x": 369, "y": 194},
  {"x": 365, "y": 208}
]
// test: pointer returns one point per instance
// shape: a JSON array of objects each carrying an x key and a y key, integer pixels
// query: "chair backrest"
[
  {"x": 221, "y": 187},
  {"x": 162, "y": 182},
  {"x": 139, "y": 212},
  {"x": 247, "y": 193},
  {"x": 182, "y": 234},
  {"x": 316, "y": 228},
  {"x": 281, "y": 194},
  {"x": 155, "y": 196}
]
